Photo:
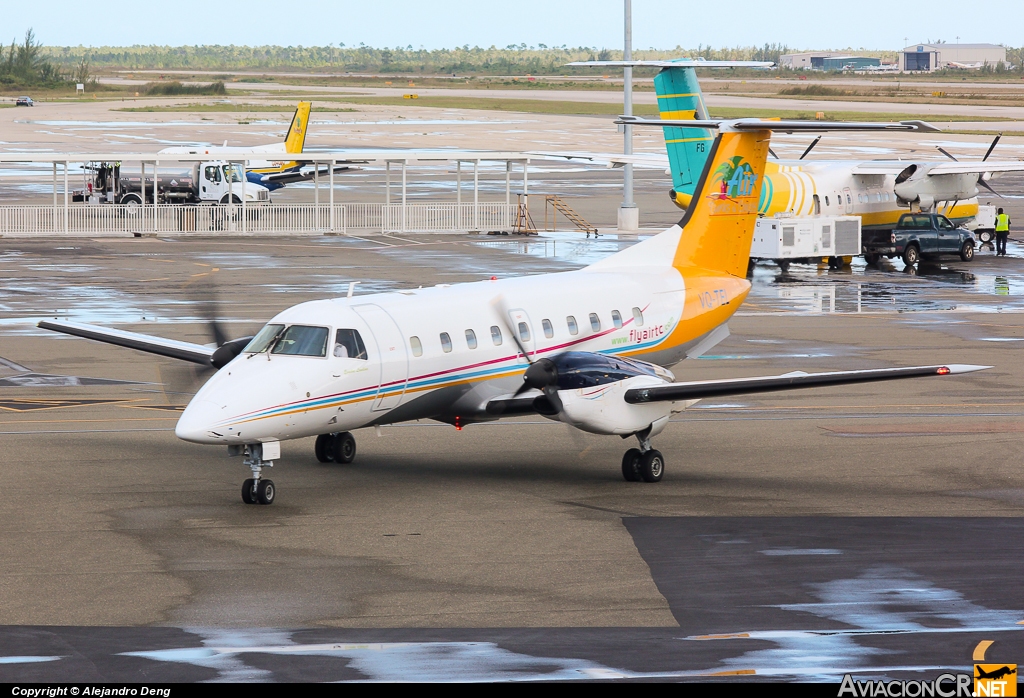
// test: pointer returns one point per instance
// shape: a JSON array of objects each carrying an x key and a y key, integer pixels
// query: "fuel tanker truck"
[{"x": 211, "y": 182}]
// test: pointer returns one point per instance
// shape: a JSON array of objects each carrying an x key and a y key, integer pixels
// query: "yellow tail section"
[
  {"x": 296, "y": 137},
  {"x": 719, "y": 224}
]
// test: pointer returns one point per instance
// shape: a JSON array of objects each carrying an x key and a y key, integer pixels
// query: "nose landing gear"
[
  {"x": 258, "y": 490},
  {"x": 645, "y": 463}
]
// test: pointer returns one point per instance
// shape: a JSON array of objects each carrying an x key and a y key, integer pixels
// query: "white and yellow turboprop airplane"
[
  {"x": 588, "y": 348},
  {"x": 270, "y": 173},
  {"x": 879, "y": 191}
]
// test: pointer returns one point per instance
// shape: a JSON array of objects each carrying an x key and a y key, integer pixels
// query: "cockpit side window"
[
  {"x": 302, "y": 340},
  {"x": 262, "y": 340},
  {"x": 348, "y": 344}
]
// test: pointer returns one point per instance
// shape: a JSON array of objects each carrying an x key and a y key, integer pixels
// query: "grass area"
[{"x": 230, "y": 108}]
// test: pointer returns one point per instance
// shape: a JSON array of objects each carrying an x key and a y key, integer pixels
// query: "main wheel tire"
[
  {"x": 344, "y": 448},
  {"x": 872, "y": 258},
  {"x": 967, "y": 252},
  {"x": 265, "y": 492},
  {"x": 911, "y": 255},
  {"x": 652, "y": 466},
  {"x": 324, "y": 448},
  {"x": 248, "y": 496},
  {"x": 631, "y": 465}
]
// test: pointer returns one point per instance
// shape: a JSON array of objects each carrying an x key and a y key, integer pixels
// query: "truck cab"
[
  {"x": 920, "y": 236},
  {"x": 221, "y": 182}
]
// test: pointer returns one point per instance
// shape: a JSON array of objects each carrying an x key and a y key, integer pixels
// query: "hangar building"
[{"x": 931, "y": 57}]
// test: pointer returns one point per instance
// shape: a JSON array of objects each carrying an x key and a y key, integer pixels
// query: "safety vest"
[{"x": 1002, "y": 223}]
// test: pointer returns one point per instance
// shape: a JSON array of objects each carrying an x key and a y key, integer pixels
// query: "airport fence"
[{"x": 258, "y": 219}]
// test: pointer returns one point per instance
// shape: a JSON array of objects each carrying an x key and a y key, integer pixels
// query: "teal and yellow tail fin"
[
  {"x": 679, "y": 98},
  {"x": 719, "y": 223},
  {"x": 296, "y": 137}
]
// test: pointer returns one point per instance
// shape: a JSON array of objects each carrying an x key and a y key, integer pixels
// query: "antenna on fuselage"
[{"x": 351, "y": 288}]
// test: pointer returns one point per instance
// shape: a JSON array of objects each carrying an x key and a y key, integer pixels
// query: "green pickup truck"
[{"x": 919, "y": 236}]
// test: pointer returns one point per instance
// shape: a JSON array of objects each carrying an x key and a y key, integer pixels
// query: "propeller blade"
[
  {"x": 991, "y": 147},
  {"x": 810, "y": 148},
  {"x": 946, "y": 153},
  {"x": 502, "y": 309},
  {"x": 772, "y": 153},
  {"x": 551, "y": 393},
  {"x": 204, "y": 297},
  {"x": 985, "y": 184}
]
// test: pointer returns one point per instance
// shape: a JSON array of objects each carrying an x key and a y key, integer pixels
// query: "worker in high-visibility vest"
[{"x": 1002, "y": 232}]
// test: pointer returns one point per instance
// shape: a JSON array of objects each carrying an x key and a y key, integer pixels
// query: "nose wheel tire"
[
  {"x": 631, "y": 465},
  {"x": 343, "y": 448},
  {"x": 323, "y": 448},
  {"x": 652, "y": 466},
  {"x": 248, "y": 491},
  {"x": 265, "y": 492}
]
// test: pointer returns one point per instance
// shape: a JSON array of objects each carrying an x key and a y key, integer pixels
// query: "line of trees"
[{"x": 515, "y": 59}]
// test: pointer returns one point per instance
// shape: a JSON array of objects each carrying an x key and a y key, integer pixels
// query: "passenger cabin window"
[
  {"x": 302, "y": 340},
  {"x": 549, "y": 331},
  {"x": 416, "y": 345},
  {"x": 471, "y": 339},
  {"x": 446, "y": 343},
  {"x": 617, "y": 319},
  {"x": 496, "y": 335},
  {"x": 826, "y": 201},
  {"x": 348, "y": 344},
  {"x": 264, "y": 339},
  {"x": 638, "y": 317},
  {"x": 595, "y": 322},
  {"x": 524, "y": 332},
  {"x": 571, "y": 322},
  {"x": 817, "y": 205}
]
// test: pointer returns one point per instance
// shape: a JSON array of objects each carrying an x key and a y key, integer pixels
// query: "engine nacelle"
[
  {"x": 915, "y": 186},
  {"x": 602, "y": 409}
]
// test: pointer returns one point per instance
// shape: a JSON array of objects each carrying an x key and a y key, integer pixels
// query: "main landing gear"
[
  {"x": 258, "y": 490},
  {"x": 644, "y": 464},
  {"x": 335, "y": 448}
]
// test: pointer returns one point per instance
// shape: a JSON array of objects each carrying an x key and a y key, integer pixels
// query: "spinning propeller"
[
  {"x": 981, "y": 179},
  {"x": 540, "y": 375}
]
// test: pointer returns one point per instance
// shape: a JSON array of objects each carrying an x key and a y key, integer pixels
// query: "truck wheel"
[
  {"x": 985, "y": 235},
  {"x": 871, "y": 258},
  {"x": 233, "y": 200},
  {"x": 967, "y": 251},
  {"x": 911, "y": 255}
]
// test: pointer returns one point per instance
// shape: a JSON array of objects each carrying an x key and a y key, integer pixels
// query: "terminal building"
[
  {"x": 826, "y": 60},
  {"x": 932, "y": 57}
]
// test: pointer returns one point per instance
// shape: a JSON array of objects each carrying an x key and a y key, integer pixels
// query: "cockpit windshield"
[
  {"x": 302, "y": 340},
  {"x": 262, "y": 340}
]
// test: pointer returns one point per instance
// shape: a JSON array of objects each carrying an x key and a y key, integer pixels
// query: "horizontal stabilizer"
[
  {"x": 762, "y": 384},
  {"x": 301, "y": 176},
  {"x": 789, "y": 126},
  {"x": 683, "y": 63},
  {"x": 184, "y": 351}
]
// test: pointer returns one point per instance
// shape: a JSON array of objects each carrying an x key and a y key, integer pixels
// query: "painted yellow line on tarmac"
[{"x": 979, "y": 651}]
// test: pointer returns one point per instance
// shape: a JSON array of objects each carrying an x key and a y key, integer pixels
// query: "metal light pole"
[{"x": 629, "y": 214}]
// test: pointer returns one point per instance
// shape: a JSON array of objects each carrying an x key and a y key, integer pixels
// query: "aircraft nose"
[{"x": 196, "y": 423}]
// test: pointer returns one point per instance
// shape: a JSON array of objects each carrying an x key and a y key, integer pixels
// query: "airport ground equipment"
[
  {"x": 558, "y": 205},
  {"x": 589, "y": 348},
  {"x": 209, "y": 182},
  {"x": 807, "y": 239},
  {"x": 920, "y": 236},
  {"x": 984, "y": 224}
]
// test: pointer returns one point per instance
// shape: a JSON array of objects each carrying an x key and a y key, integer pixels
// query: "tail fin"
[
  {"x": 296, "y": 137},
  {"x": 679, "y": 97},
  {"x": 719, "y": 224}
]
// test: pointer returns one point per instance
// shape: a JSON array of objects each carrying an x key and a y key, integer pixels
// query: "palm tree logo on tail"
[{"x": 734, "y": 177}]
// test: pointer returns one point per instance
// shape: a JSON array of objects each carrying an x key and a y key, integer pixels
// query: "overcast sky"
[{"x": 873, "y": 24}]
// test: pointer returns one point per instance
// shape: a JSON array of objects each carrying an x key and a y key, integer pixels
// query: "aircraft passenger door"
[
  {"x": 389, "y": 352},
  {"x": 848, "y": 201},
  {"x": 523, "y": 328}
]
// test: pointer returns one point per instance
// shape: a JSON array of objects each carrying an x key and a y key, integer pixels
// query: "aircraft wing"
[
  {"x": 939, "y": 168},
  {"x": 695, "y": 390},
  {"x": 658, "y": 161},
  {"x": 172, "y": 348},
  {"x": 301, "y": 175}
]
